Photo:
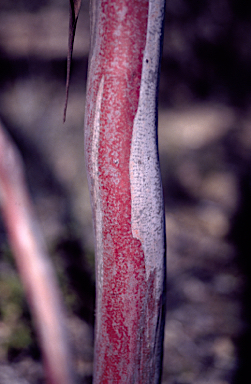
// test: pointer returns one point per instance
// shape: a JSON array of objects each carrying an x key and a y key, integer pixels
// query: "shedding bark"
[
  {"x": 125, "y": 188},
  {"x": 34, "y": 266}
]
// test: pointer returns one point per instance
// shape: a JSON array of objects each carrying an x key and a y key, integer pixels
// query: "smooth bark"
[{"x": 34, "y": 265}]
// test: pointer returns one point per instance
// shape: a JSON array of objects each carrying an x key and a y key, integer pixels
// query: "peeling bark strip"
[
  {"x": 125, "y": 188},
  {"x": 34, "y": 265}
]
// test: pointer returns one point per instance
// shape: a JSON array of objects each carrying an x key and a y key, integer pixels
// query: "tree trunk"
[
  {"x": 126, "y": 191},
  {"x": 34, "y": 265}
]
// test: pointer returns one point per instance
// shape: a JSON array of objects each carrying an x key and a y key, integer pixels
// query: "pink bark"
[
  {"x": 130, "y": 255},
  {"x": 33, "y": 264}
]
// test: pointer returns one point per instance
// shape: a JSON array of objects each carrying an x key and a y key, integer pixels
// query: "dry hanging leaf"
[{"x": 74, "y": 8}]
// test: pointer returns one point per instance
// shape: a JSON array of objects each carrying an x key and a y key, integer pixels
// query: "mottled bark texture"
[{"x": 126, "y": 191}]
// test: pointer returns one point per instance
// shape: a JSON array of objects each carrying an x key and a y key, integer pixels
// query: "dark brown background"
[{"x": 205, "y": 142}]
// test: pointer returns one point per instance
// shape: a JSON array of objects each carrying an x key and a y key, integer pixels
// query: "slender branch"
[{"x": 33, "y": 264}]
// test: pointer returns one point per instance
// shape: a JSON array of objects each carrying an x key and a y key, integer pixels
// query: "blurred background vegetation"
[{"x": 205, "y": 143}]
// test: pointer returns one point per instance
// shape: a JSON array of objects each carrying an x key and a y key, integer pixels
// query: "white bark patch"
[
  {"x": 98, "y": 220},
  {"x": 146, "y": 188}
]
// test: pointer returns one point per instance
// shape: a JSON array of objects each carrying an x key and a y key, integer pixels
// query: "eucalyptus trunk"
[
  {"x": 34, "y": 264},
  {"x": 126, "y": 190}
]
